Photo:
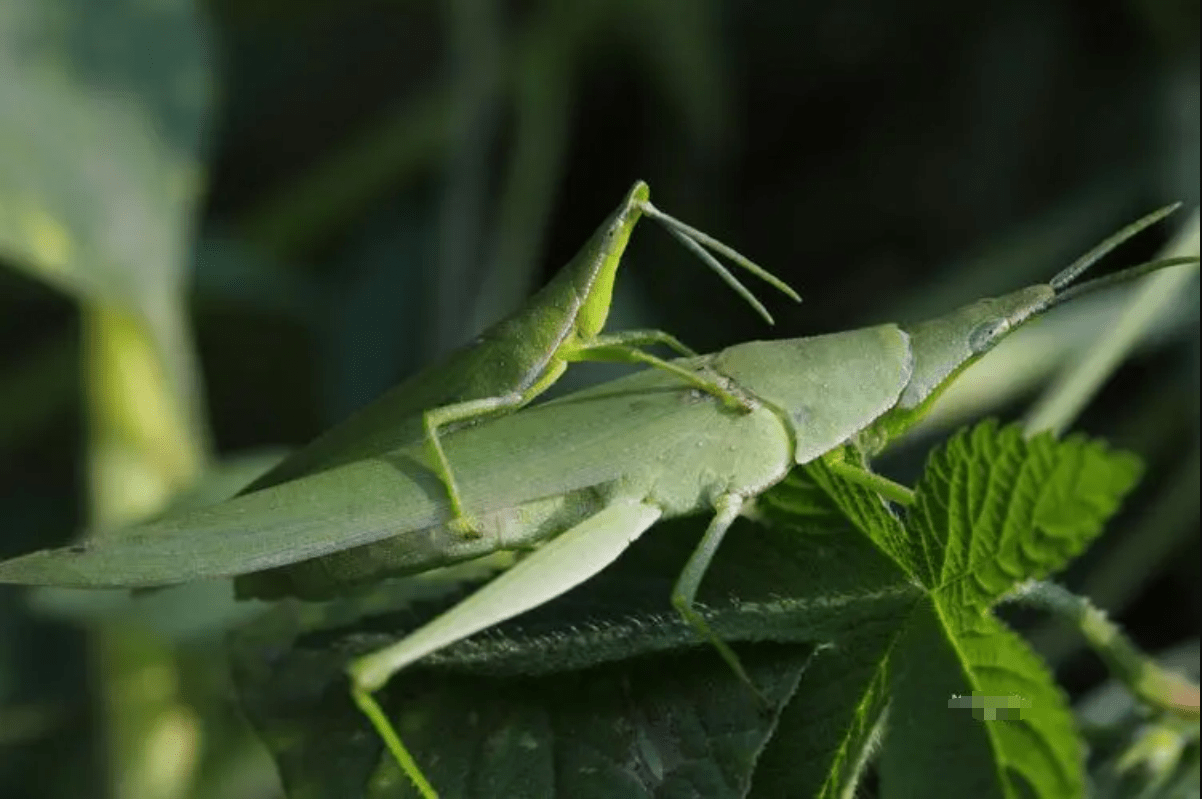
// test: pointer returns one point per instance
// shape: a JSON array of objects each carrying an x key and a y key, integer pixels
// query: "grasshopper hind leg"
[
  {"x": 392, "y": 742},
  {"x": 561, "y": 564}
]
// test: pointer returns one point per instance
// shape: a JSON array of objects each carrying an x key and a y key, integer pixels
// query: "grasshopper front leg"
[
  {"x": 626, "y": 348},
  {"x": 432, "y": 420},
  {"x": 860, "y": 475},
  {"x": 623, "y": 347}
]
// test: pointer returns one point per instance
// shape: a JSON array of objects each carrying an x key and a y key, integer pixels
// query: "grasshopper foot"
[
  {"x": 740, "y": 405},
  {"x": 465, "y": 526}
]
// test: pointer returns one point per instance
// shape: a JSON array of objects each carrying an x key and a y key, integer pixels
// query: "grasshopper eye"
[{"x": 985, "y": 335}]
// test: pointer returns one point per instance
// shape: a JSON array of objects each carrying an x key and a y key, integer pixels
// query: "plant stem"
[{"x": 1146, "y": 679}]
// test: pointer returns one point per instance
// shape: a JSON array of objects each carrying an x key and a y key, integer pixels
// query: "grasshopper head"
[
  {"x": 639, "y": 193},
  {"x": 945, "y": 345},
  {"x": 596, "y": 266}
]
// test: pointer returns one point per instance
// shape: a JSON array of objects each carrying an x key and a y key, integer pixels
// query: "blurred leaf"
[
  {"x": 101, "y": 111},
  {"x": 1134, "y": 754}
]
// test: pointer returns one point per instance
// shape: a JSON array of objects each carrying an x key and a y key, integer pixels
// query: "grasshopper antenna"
[
  {"x": 1122, "y": 276},
  {"x": 697, "y": 242},
  {"x": 1074, "y": 270},
  {"x": 1061, "y": 282}
]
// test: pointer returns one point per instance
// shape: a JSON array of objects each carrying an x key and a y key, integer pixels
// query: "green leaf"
[
  {"x": 661, "y": 726},
  {"x": 813, "y": 495},
  {"x": 537, "y": 675},
  {"x": 831, "y": 726},
  {"x": 100, "y": 145},
  {"x": 833, "y": 576},
  {"x": 946, "y": 732},
  {"x": 994, "y": 509},
  {"x": 1018, "y": 509}
]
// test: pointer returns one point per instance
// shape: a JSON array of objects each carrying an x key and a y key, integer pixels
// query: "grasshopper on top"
[{"x": 521, "y": 356}]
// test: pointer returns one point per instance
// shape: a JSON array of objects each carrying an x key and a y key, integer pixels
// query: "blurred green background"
[{"x": 225, "y": 225}]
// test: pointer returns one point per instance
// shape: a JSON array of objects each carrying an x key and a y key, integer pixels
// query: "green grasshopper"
[
  {"x": 587, "y": 474},
  {"x": 521, "y": 356}
]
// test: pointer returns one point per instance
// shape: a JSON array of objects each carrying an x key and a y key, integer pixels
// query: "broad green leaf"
[
  {"x": 768, "y": 585},
  {"x": 975, "y": 713},
  {"x": 661, "y": 726},
  {"x": 101, "y": 111},
  {"x": 881, "y": 640},
  {"x": 863, "y": 508},
  {"x": 995, "y": 509},
  {"x": 1039, "y": 502},
  {"x": 832, "y": 725}
]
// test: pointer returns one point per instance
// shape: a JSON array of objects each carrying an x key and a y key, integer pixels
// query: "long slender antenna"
[
  {"x": 1074, "y": 270},
  {"x": 1122, "y": 276},
  {"x": 723, "y": 273},
  {"x": 705, "y": 240}
]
